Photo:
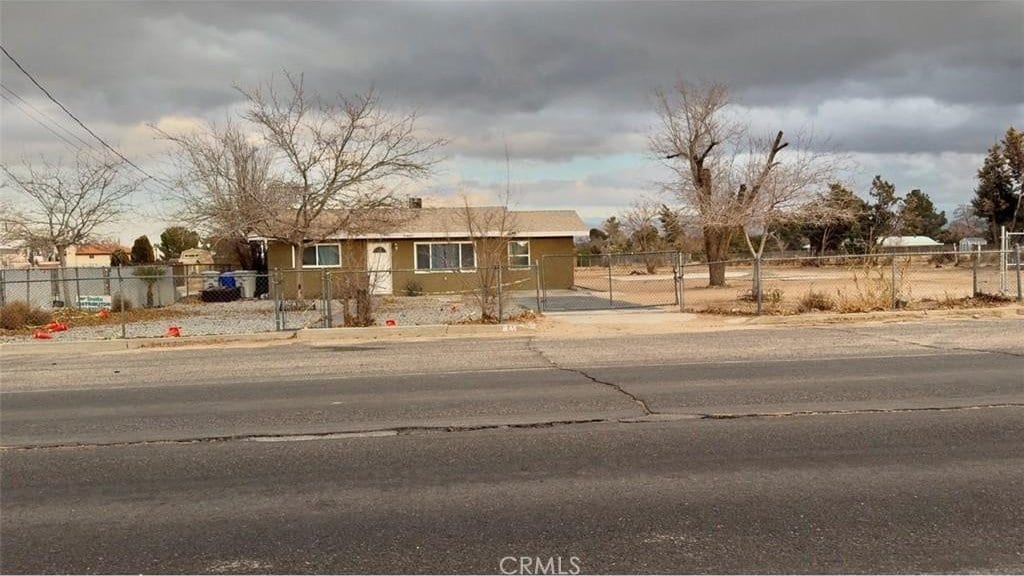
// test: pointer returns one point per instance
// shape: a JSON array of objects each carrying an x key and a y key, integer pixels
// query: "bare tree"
[
  {"x": 732, "y": 181},
  {"x": 641, "y": 227},
  {"x": 300, "y": 168},
  {"x": 65, "y": 206},
  {"x": 491, "y": 228},
  {"x": 223, "y": 182},
  {"x": 337, "y": 163}
]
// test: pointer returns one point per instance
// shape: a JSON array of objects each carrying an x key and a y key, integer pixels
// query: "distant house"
[
  {"x": 13, "y": 256},
  {"x": 196, "y": 256},
  {"x": 970, "y": 244},
  {"x": 92, "y": 255},
  {"x": 433, "y": 251},
  {"x": 908, "y": 244}
]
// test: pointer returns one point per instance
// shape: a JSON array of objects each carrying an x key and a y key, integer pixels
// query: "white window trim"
[
  {"x": 460, "y": 269},
  {"x": 318, "y": 244},
  {"x": 528, "y": 255}
]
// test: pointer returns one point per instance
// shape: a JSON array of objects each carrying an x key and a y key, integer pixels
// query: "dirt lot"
[{"x": 853, "y": 288}]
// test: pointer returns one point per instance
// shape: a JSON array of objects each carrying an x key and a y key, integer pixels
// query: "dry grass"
[
  {"x": 19, "y": 316},
  {"x": 814, "y": 301}
]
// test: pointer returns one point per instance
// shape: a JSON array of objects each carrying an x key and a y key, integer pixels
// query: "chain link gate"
[{"x": 609, "y": 281}]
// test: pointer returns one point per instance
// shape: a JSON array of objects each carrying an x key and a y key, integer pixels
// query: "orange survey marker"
[
  {"x": 104, "y": 313},
  {"x": 390, "y": 322},
  {"x": 42, "y": 335},
  {"x": 173, "y": 332}
]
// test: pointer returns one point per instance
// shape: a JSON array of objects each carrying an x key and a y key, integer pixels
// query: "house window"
[
  {"x": 519, "y": 254},
  {"x": 445, "y": 256},
  {"x": 321, "y": 255}
]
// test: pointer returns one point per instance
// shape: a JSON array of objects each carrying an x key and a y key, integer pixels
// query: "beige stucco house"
[{"x": 433, "y": 250}]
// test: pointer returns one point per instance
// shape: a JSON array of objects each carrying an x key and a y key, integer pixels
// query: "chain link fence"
[
  {"x": 159, "y": 300},
  {"x": 856, "y": 283},
  {"x": 133, "y": 302},
  {"x": 609, "y": 281}
]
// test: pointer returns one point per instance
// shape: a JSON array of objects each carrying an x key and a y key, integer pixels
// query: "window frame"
[
  {"x": 430, "y": 270},
  {"x": 316, "y": 247},
  {"x": 528, "y": 254}
]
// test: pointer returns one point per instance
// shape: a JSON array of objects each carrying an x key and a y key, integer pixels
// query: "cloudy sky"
[{"x": 914, "y": 91}]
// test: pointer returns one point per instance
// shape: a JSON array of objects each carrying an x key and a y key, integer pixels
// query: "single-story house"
[{"x": 432, "y": 250}]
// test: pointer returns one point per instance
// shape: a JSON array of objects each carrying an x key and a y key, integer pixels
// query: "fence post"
[
  {"x": 611, "y": 300},
  {"x": 500, "y": 308},
  {"x": 120, "y": 298},
  {"x": 1020, "y": 294},
  {"x": 278, "y": 308},
  {"x": 329, "y": 301},
  {"x": 974, "y": 272},
  {"x": 1004, "y": 249},
  {"x": 892, "y": 279},
  {"x": 28, "y": 286},
  {"x": 78, "y": 290},
  {"x": 682, "y": 282},
  {"x": 536, "y": 284},
  {"x": 758, "y": 294}
]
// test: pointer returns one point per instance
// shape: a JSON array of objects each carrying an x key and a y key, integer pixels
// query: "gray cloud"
[{"x": 553, "y": 80}]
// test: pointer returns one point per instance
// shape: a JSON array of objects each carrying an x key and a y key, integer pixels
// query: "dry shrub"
[
  {"x": 815, "y": 301},
  {"x": 18, "y": 315},
  {"x": 872, "y": 290},
  {"x": 119, "y": 303},
  {"x": 770, "y": 297}
]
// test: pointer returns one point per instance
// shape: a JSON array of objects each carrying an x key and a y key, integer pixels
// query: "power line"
[
  {"x": 43, "y": 124},
  {"x": 80, "y": 123},
  {"x": 47, "y": 116}
]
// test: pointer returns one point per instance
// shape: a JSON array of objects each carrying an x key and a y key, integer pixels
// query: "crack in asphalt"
[
  {"x": 920, "y": 344},
  {"x": 422, "y": 430},
  {"x": 531, "y": 346}
]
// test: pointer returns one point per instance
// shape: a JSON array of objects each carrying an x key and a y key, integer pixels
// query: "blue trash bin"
[{"x": 227, "y": 280}]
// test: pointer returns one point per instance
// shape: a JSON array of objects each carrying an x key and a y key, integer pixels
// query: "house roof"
[
  {"x": 906, "y": 241},
  {"x": 486, "y": 221},
  {"x": 98, "y": 249}
]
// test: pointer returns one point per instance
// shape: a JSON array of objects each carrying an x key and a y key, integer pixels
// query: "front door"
[{"x": 378, "y": 262}]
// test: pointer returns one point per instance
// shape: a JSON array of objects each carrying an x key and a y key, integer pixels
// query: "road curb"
[
  {"x": 397, "y": 333},
  {"x": 303, "y": 335}
]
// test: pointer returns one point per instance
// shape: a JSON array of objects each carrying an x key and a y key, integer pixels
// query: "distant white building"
[
  {"x": 908, "y": 242},
  {"x": 969, "y": 244}
]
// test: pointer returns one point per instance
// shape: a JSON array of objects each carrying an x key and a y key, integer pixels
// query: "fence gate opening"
[{"x": 609, "y": 281}]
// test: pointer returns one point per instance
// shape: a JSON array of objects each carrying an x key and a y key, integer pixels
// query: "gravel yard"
[{"x": 252, "y": 316}]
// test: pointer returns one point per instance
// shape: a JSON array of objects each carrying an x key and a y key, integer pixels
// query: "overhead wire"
[
  {"x": 43, "y": 113},
  {"x": 82, "y": 124}
]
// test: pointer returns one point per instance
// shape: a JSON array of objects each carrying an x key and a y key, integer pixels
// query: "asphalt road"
[{"x": 885, "y": 448}]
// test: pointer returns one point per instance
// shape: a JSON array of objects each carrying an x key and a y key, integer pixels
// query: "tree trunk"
[
  {"x": 62, "y": 257},
  {"x": 716, "y": 248}
]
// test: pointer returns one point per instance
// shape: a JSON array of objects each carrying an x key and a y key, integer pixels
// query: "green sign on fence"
[{"x": 93, "y": 302}]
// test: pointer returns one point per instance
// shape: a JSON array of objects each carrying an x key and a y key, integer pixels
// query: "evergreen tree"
[
  {"x": 833, "y": 220},
  {"x": 671, "y": 228},
  {"x": 177, "y": 239},
  {"x": 1013, "y": 151},
  {"x": 142, "y": 251},
  {"x": 994, "y": 199},
  {"x": 918, "y": 216},
  {"x": 881, "y": 217},
  {"x": 120, "y": 258},
  {"x": 616, "y": 238}
]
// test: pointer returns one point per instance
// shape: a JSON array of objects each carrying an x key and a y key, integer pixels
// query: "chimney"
[{"x": 415, "y": 202}]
